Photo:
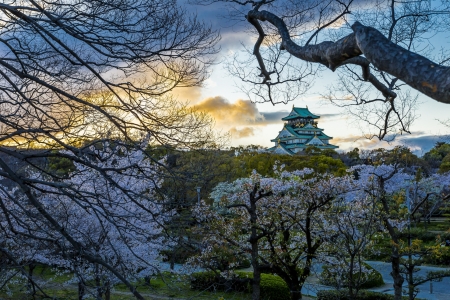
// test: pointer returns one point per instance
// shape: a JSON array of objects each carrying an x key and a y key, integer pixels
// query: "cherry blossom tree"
[
  {"x": 289, "y": 222},
  {"x": 111, "y": 218},
  {"x": 75, "y": 74},
  {"x": 282, "y": 222},
  {"x": 397, "y": 196},
  {"x": 355, "y": 222}
]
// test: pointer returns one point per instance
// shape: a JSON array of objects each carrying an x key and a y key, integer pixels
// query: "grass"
[
  {"x": 165, "y": 286},
  {"x": 178, "y": 286}
]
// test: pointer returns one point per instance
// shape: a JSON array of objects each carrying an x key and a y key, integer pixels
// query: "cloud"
[
  {"x": 329, "y": 115},
  {"x": 274, "y": 117},
  {"x": 353, "y": 141},
  {"x": 241, "y": 112},
  {"x": 190, "y": 94},
  {"x": 231, "y": 24},
  {"x": 241, "y": 133},
  {"x": 418, "y": 143}
]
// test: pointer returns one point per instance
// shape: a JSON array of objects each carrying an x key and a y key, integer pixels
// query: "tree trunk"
[
  {"x": 256, "y": 283},
  {"x": 410, "y": 266},
  {"x": 81, "y": 290},
  {"x": 256, "y": 287},
  {"x": 98, "y": 283},
  {"x": 415, "y": 70},
  {"x": 147, "y": 280},
  {"x": 31, "y": 286},
  {"x": 107, "y": 290},
  {"x": 351, "y": 281},
  {"x": 295, "y": 289},
  {"x": 395, "y": 256},
  {"x": 411, "y": 282},
  {"x": 396, "y": 275}
]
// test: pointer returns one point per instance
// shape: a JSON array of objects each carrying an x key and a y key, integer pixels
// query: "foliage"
[
  {"x": 445, "y": 164},
  {"x": 207, "y": 168},
  {"x": 272, "y": 287},
  {"x": 439, "y": 254},
  {"x": 424, "y": 235},
  {"x": 263, "y": 163},
  {"x": 61, "y": 166},
  {"x": 283, "y": 222},
  {"x": 177, "y": 254},
  {"x": 399, "y": 156},
  {"x": 436, "y": 155},
  {"x": 368, "y": 277},
  {"x": 207, "y": 280}
]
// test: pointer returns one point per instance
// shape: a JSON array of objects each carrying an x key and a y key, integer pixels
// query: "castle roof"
[
  {"x": 300, "y": 112},
  {"x": 301, "y": 133}
]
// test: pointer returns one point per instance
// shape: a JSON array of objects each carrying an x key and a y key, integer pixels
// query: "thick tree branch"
[
  {"x": 262, "y": 66},
  {"x": 415, "y": 70}
]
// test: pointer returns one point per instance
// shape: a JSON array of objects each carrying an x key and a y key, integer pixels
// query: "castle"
[{"x": 300, "y": 131}]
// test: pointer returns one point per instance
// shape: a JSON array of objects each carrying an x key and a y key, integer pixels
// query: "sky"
[{"x": 250, "y": 123}]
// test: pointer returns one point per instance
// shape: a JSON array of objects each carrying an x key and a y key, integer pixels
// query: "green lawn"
[{"x": 167, "y": 286}]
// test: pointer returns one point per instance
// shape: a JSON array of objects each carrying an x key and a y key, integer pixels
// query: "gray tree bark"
[{"x": 415, "y": 70}]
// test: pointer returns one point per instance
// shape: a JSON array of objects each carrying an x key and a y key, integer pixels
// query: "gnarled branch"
[{"x": 415, "y": 70}]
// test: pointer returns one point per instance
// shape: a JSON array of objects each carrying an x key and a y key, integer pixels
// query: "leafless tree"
[
  {"x": 378, "y": 47},
  {"x": 76, "y": 72}
]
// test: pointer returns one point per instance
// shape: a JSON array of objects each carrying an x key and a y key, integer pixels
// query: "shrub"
[
  {"x": 211, "y": 281},
  {"x": 244, "y": 263},
  {"x": 272, "y": 286},
  {"x": 418, "y": 233},
  {"x": 204, "y": 280},
  {"x": 439, "y": 256},
  {"x": 367, "y": 280}
]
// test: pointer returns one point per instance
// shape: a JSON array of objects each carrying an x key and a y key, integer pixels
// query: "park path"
[
  {"x": 435, "y": 291},
  {"x": 439, "y": 290}
]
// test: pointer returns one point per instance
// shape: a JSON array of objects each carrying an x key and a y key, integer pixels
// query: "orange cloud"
[
  {"x": 241, "y": 112},
  {"x": 241, "y": 133},
  {"x": 191, "y": 94}
]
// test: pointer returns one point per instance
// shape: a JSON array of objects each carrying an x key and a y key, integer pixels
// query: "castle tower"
[{"x": 300, "y": 131}]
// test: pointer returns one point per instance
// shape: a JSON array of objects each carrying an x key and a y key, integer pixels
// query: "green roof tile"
[{"x": 300, "y": 112}]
